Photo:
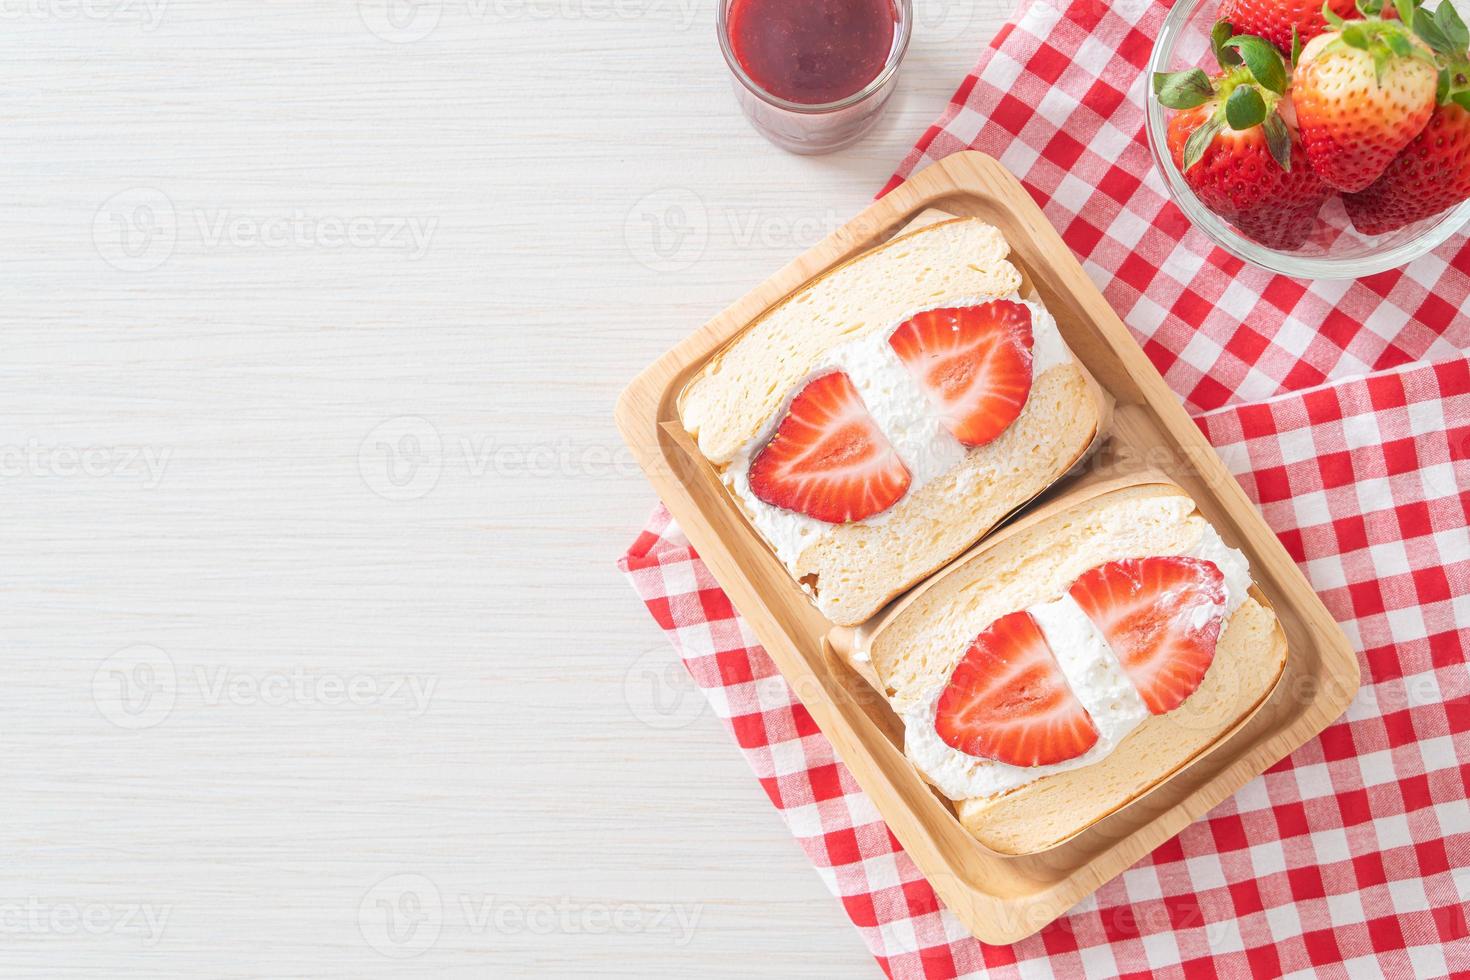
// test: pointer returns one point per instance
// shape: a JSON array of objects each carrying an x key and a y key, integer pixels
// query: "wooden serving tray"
[{"x": 1000, "y": 898}]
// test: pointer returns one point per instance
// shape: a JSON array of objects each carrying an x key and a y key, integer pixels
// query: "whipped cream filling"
[
  {"x": 901, "y": 411},
  {"x": 1092, "y": 671}
]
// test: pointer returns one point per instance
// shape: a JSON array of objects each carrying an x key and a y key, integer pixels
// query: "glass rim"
[
  {"x": 903, "y": 28},
  {"x": 1219, "y": 232}
]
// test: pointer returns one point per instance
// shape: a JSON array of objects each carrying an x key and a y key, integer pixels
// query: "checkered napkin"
[{"x": 1344, "y": 411}]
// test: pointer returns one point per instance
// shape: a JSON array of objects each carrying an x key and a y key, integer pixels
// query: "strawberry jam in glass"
[{"x": 813, "y": 75}]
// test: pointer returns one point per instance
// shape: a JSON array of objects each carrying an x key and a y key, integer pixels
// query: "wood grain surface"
[{"x": 314, "y": 316}]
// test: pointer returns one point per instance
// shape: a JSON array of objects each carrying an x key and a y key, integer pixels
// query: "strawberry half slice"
[
  {"x": 1162, "y": 617},
  {"x": 973, "y": 363},
  {"x": 828, "y": 459},
  {"x": 1008, "y": 701}
]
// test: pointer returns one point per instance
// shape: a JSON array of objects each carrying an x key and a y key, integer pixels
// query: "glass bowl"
[{"x": 1335, "y": 249}]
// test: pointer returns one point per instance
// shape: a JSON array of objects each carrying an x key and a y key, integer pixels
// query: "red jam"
[{"x": 812, "y": 51}]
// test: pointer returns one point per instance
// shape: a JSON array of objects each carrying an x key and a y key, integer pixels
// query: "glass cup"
[{"x": 823, "y": 127}]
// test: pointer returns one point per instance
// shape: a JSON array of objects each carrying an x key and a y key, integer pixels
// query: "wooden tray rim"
[{"x": 991, "y": 916}]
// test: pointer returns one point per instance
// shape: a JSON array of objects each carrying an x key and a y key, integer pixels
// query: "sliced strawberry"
[
  {"x": 1008, "y": 701},
  {"x": 828, "y": 459},
  {"x": 974, "y": 364},
  {"x": 1162, "y": 617}
]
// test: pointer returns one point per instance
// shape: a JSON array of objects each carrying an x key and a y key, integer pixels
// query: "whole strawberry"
[
  {"x": 1362, "y": 91},
  {"x": 1432, "y": 173},
  {"x": 1275, "y": 20},
  {"x": 1234, "y": 144}
]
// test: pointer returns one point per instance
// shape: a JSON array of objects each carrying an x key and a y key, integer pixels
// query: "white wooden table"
[{"x": 317, "y": 661}]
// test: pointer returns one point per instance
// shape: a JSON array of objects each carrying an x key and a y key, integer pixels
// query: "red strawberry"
[
  {"x": 1234, "y": 143},
  {"x": 1238, "y": 179},
  {"x": 1162, "y": 617},
  {"x": 1430, "y": 174},
  {"x": 1362, "y": 93},
  {"x": 974, "y": 364},
  {"x": 1275, "y": 19},
  {"x": 1433, "y": 172},
  {"x": 1008, "y": 701},
  {"x": 828, "y": 459}
]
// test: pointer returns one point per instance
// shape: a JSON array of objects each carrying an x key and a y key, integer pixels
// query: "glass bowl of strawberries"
[{"x": 1325, "y": 141}]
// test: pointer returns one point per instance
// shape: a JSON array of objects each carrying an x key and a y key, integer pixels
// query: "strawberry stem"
[
  {"x": 1263, "y": 61},
  {"x": 1278, "y": 140},
  {"x": 1245, "y": 108},
  {"x": 1219, "y": 34},
  {"x": 1385, "y": 41},
  {"x": 1183, "y": 89},
  {"x": 1200, "y": 140}
]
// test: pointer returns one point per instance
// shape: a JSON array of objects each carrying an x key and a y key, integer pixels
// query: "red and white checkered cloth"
[{"x": 1344, "y": 410}]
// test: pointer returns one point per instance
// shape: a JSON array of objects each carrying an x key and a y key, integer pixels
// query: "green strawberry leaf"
[
  {"x": 1442, "y": 87},
  {"x": 1245, "y": 108},
  {"x": 1296, "y": 45},
  {"x": 1278, "y": 140},
  {"x": 1183, "y": 89},
  {"x": 1200, "y": 140},
  {"x": 1263, "y": 60},
  {"x": 1330, "y": 15},
  {"x": 1461, "y": 99},
  {"x": 1399, "y": 44},
  {"x": 1380, "y": 63},
  {"x": 1219, "y": 34},
  {"x": 1449, "y": 22},
  {"x": 1370, "y": 8},
  {"x": 1354, "y": 36},
  {"x": 1428, "y": 30},
  {"x": 1406, "y": 10}
]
